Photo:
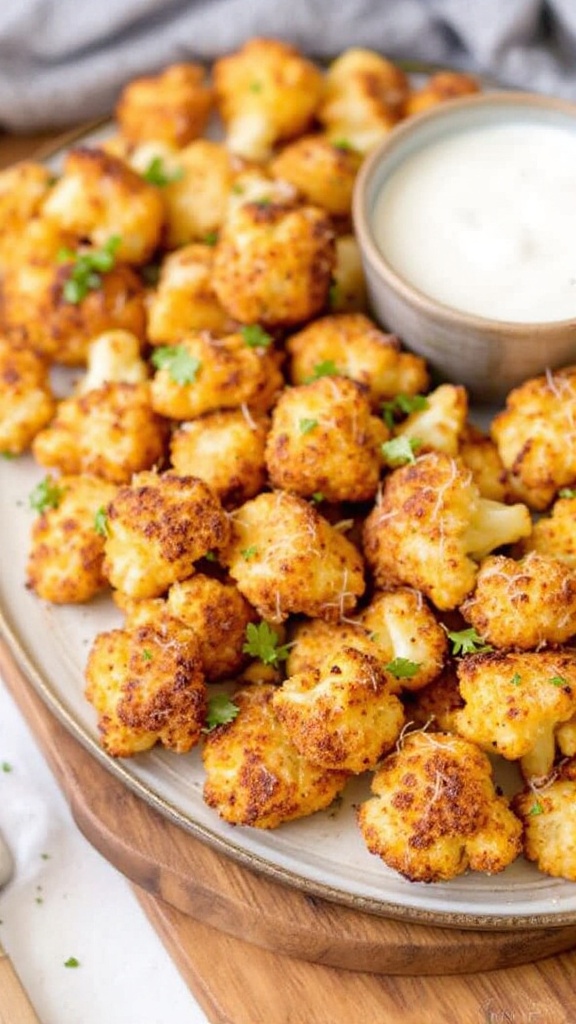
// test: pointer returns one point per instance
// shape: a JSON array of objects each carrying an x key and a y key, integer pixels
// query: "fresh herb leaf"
[
  {"x": 157, "y": 174},
  {"x": 248, "y": 553},
  {"x": 467, "y": 641},
  {"x": 516, "y": 679},
  {"x": 558, "y": 681},
  {"x": 567, "y": 492},
  {"x": 72, "y": 961},
  {"x": 210, "y": 556},
  {"x": 536, "y": 809},
  {"x": 221, "y": 710},
  {"x": 317, "y": 497},
  {"x": 101, "y": 522},
  {"x": 262, "y": 643},
  {"x": 255, "y": 336},
  {"x": 400, "y": 450},
  {"x": 306, "y": 425},
  {"x": 327, "y": 368},
  {"x": 343, "y": 144},
  {"x": 403, "y": 404},
  {"x": 6, "y": 766},
  {"x": 87, "y": 268},
  {"x": 403, "y": 668},
  {"x": 47, "y": 494},
  {"x": 146, "y": 654},
  {"x": 211, "y": 238},
  {"x": 181, "y": 366}
]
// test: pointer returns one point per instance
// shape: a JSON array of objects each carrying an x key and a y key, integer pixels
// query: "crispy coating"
[
  {"x": 311, "y": 639},
  {"x": 435, "y": 707},
  {"x": 254, "y": 774},
  {"x": 173, "y": 106},
  {"x": 226, "y": 450},
  {"x": 345, "y": 715},
  {"x": 359, "y": 350},
  {"x": 439, "y": 426},
  {"x": 435, "y": 813},
  {"x": 230, "y": 374},
  {"x": 479, "y": 453},
  {"x": 322, "y": 172},
  {"x": 324, "y": 438},
  {"x": 218, "y": 615},
  {"x": 364, "y": 96},
  {"x": 23, "y": 187},
  {"x": 536, "y": 436},
  {"x": 348, "y": 293},
  {"x": 549, "y": 818},
  {"x": 66, "y": 548},
  {"x": 184, "y": 300},
  {"x": 286, "y": 558},
  {"x": 403, "y": 628},
  {"x": 440, "y": 87},
  {"x": 515, "y": 700},
  {"x": 196, "y": 200},
  {"x": 147, "y": 687},
  {"x": 113, "y": 357},
  {"x": 432, "y": 524},
  {"x": 100, "y": 197},
  {"x": 555, "y": 534},
  {"x": 110, "y": 431},
  {"x": 266, "y": 91},
  {"x": 26, "y": 400},
  {"x": 274, "y": 263},
  {"x": 523, "y": 604},
  {"x": 158, "y": 527}
]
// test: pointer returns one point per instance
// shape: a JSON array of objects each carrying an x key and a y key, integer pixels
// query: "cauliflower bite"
[
  {"x": 67, "y": 541},
  {"x": 322, "y": 171},
  {"x": 113, "y": 357},
  {"x": 432, "y": 526},
  {"x": 411, "y": 643},
  {"x": 348, "y": 292},
  {"x": 435, "y": 813},
  {"x": 549, "y": 818},
  {"x": 26, "y": 401},
  {"x": 310, "y": 639},
  {"x": 285, "y": 557},
  {"x": 364, "y": 97},
  {"x": 479, "y": 453},
  {"x": 439, "y": 425},
  {"x": 210, "y": 374},
  {"x": 100, "y": 197},
  {"x": 514, "y": 702},
  {"x": 254, "y": 774},
  {"x": 218, "y": 615},
  {"x": 147, "y": 686},
  {"x": 184, "y": 300},
  {"x": 442, "y": 86},
  {"x": 23, "y": 187},
  {"x": 274, "y": 262},
  {"x": 158, "y": 527},
  {"x": 536, "y": 436},
  {"x": 266, "y": 91},
  {"x": 523, "y": 604},
  {"x": 356, "y": 348},
  {"x": 110, "y": 431},
  {"x": 196, "y": 198},
  {"x": 345, "y": 715},
  {"x": 226, "y": 450},
  {"x": 324, "y": 438},
  {"x": 555, "y": 534},
  {"x": 173, "y": 106}
]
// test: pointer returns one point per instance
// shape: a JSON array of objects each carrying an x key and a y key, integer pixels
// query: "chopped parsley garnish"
[
  {"x": 72, "y": 961},
  {"x": 210, "y": 556},
  {"x": 400, "y": 450},
  {"x": 87, "y": 269},
  {"x": 255, "y": 336},
  {"x": 343, "y": 144},
  {"x": 567, "y": 492},
  {"x": 558, "y": 681},
  {"x": 317, "y": 497},
  {"x": 467, "y": 641},
  {"x": 180, "y": 364},
  {"x": 516, "y": 679},
  {"x": 221, "y": 710},
  {"x": 101, "y": 522},
  {"x": 47, "y": 494},
  {"x": 8, "y": 455},
  {"x": 6, "y": 766},
  {"x": 146, "y": 654},
  {"x": 211, "y": 238},
  {"x": 306, "y": 425},
  {"x": 262, "y": 643},
  {"x": 536, "y": 809},
  {"x": 404, "y": 405},
  {"x": 402, "y": 668},
  {"x": 157, "y": 174},
  {"x": 248, "y": 553},
  {"x": 327, "y": 368}
]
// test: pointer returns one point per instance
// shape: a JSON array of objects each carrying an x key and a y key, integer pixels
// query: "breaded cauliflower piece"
[
  {"x": 436, "y": 813},
  {"x": 432, "y": 526},
  {"x": 266, "y": 91},
  {"x": 310, "y": 639},
  {"x": 217, "y": 373},
  {"x": 23, "y": 187},
  {"x": 354, "y": 345},
  {"x": 440, "y": 424},
  {"x": 254, "y": 774},
  {"x": 184, "y": 300},
  {"x": 345, "y": 715},
  {"x": 274, "y": 262},
  {"x": 196, "y": 199},
  {"x": 348, "y": 292},
  {"x": 147, "y": 687},
  {"x": 523, "y": 604},
  {"x": 514, "y": 702},
  {"x": 549, "y": 818},
  {"x": 479, "y": 453},
  {"x": 536, "y": 436},
  {"x": 111, "y": 431},
  {"x": 364, "y": 97},
  {"x": 226, "y": 450},
  {"x": 440, "y": 87},
  {"x": 411, "y": 643},
  {"x": 158, "y": 527},
  {"x": 99, "y": 197},
  {"x": 435, "y": 706},
  {"x": 67, "y": 542},
  {"x": 218, "y": 615},
  {"x": 324, "y": 438},
  {"x": 173, "y": 106},
  {"x": 322, "y": 171},
  {"x": 113, "y": 357},
  {"x": 286, "y": 558},
  {"x": 26, "y": 400},
  {"x": 555, "y": 534}
]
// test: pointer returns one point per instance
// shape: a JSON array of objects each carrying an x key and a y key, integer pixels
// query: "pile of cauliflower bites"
[{"x": 323, "y": 568}]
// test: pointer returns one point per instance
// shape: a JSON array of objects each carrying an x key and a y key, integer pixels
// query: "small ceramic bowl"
[{"x": 488, "y": 354}]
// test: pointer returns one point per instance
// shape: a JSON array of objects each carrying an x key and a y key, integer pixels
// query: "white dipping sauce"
[{"x": 485, "y": 221}]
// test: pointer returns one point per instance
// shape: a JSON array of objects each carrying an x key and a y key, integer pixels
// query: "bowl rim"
[{"x": 409, "y": 293}]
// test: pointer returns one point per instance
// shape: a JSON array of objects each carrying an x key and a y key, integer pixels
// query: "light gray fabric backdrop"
[{"x": 65, "y": 60}]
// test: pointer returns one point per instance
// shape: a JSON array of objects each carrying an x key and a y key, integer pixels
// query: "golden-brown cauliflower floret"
[
  {"x": 436, "y": 814},
  {"x": 515, "y": 701},
  {"x": 549, "y": 818},
  {"x": 110, "y": 431},
  {"x": 266, "y": 91},
  {"x": 536, "y": 436},
  {"x": 354, "y": 346},
  {"x": 26, "y": 401},
  {"x": 113, "y": 357},
  {"x": 345, "y": 715},
  {"x": 147, "y": 686},
  {"x": 218, "y": 615},
  {"x": 479, "y": 453},
  {"x": 23, "y": 188},
  {"x": 274, "y": 262},
  {"x": 196, "y": 199},
  {"x": 285, "y": 557},
  {"x": 324, "y": 438},
  {"x": 226, "y": 450},
  {"x": 254, "y": 774},
  {"x": 310, "y": 639},
  {"x": 215, "y": 373},
  {"x": 67, "y": 541},
  {"x": 438, "y": 426},
  {"x": 158, "y": 527},
  {"x": 184, "y": 300},
  {"x": 431, "y": 526},
  {"x": 410, "y": 641},
  {"x": 523, "y": 604},
  {"x": 555, "y": 535},
  {"x": 348, "y": 293},
  {"x": 100, "y": 197},
  {"x": 172, "y": 106},
  {"x": 441, "y": 86},
  {"x": 322, "y": 171},
  {"x": 364, "y": 96}
]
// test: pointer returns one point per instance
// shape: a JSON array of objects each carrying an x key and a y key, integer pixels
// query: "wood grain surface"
[{"x": 15, "y": 1007}]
